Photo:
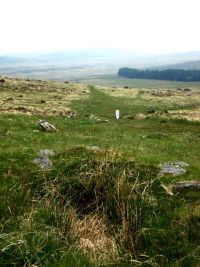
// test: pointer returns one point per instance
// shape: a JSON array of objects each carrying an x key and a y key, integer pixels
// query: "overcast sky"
[{"x": 154, "y": 26}]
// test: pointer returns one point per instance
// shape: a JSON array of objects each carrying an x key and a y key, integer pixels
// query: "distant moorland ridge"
[{"x": 167, "y": 74}]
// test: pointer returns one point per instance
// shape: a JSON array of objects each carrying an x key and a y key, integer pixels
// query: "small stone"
[
  {"x": 43, "y": 162},
  {"x": 171, "y": 169},
  {"x": 181, "y": 164},
  {"x": 176, "y": 168},
  {"x": 46, "y": 152},
  {"x": 47, "y": 126},
  {"x": 92, "y": 117}
]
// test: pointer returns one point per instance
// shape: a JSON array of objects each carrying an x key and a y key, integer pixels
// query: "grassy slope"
[{"x": 42, "y": 212}]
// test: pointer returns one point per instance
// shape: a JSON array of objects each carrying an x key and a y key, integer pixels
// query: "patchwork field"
[{"x": 91, "y": 193}]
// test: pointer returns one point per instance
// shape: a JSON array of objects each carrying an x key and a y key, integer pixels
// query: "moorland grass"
[{"x": 105, "y": 175}]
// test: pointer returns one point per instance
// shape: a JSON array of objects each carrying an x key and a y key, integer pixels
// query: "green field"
[{"x": 101, "y": 202}]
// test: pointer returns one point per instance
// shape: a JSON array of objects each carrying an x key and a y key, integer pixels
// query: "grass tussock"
[{"x": 110, "y": 208}]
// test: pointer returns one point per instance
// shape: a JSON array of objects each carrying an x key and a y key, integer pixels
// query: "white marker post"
[{"x": 117, "y": 114}]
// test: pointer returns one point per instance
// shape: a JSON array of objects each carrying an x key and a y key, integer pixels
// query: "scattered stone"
[
  {"x": 71, "y": 114},
  {"x": 93, "y": 117},
  {"x": 182, "y": 164},
  {"x": 46, "y": 152},
  {"x": 43, "y": 162},
  {"x": 47, "y": 126},
  {"x": 176, "y": 168}
]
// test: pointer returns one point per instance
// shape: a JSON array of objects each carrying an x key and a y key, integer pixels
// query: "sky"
[{"x": 150, "y": 26}]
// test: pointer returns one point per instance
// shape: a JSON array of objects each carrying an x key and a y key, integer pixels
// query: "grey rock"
[
  {"x": 43, "y": 162},
  {"x": 46, "y": 126},
  {"x": 175, "y": 168},
  {"x": 46, "y": 152},
  {"x": 182, "y": 164}
]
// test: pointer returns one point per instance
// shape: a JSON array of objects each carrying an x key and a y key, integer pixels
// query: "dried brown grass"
[
  {"x": 92, "y": 237},
  {"x": 31, "y": 97}
]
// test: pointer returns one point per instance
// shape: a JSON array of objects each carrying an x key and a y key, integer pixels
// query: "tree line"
[{"x": 168, "y": 74}]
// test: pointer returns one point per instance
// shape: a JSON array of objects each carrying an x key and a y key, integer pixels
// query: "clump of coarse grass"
[
  {"x": 139, "y": 221},
  {"x": 40, "y": 236},
  {"x": 91, "y": 236},
  {"x": 116, "y": 189}
]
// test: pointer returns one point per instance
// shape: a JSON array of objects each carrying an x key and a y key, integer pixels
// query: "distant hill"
[
  {"x": 189, "y": 65},
  {"x": 82, "y": 63}
]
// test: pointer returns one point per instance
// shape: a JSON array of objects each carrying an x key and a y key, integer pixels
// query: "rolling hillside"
[
  {"x": 189, "y": 65},
  {"x": 76, "y": 65},
  {"x": 93, "y": 191}
]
